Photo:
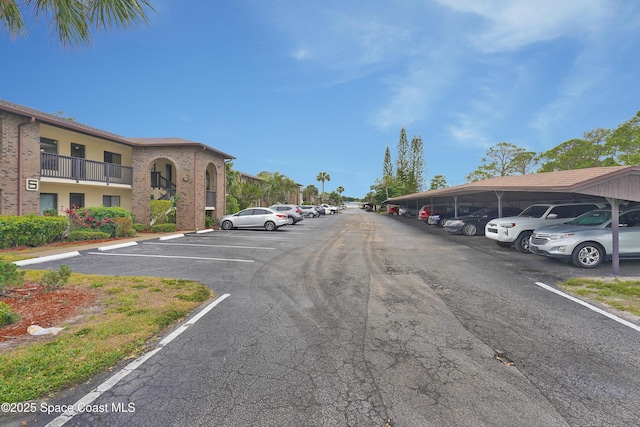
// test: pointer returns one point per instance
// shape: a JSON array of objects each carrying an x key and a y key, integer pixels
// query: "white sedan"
[{"x": 254, "y": 218}]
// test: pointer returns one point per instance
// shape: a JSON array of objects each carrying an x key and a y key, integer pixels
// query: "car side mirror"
[{"x": 552, "y": 216}]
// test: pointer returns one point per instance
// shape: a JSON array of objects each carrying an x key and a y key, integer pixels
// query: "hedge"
[
  {"x": 80, "y": 235},
  {"x": 31, "y": 230}
]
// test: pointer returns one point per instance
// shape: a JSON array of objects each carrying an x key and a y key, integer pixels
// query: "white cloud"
[
  {"x": 301, "y": 54},
  {"x": 513, "y": 24}
]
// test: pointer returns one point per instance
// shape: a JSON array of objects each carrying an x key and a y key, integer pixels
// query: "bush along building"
[{"x": 52, "y": 163}]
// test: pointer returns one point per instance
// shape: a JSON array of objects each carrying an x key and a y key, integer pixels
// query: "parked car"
[
  {"x": 439, "y": 217},
  {"x": 330, "y": 209},
  {"x": 425, "y": 211},
  {"x": 393, "y": 210},
  {"x": 587, "y": 240},
  {"x": 407, "y": 212},
  {"x": 320, "y": 209},
  {"x": 309, "y": 211},
  {"x": 516, "y": 230},
  {"x": 294, "y": 212},
  {"x": 474, "y": 223},
  {"x": 254, "y": 218}
]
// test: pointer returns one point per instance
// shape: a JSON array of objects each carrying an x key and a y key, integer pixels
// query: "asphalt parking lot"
[
  {"x": 372, "y": 307},
  {"x": 215, "y": 257},
  {"x": 237, "y": 251}
]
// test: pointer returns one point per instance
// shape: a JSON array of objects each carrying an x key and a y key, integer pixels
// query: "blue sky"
[{"x": 302, "y": 86}]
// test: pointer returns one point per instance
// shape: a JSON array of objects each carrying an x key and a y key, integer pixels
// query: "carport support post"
[
  {"x": 455, "y": 206},
  {"x": 615, "y": 235},
  {"x": 499, "y": 195}
]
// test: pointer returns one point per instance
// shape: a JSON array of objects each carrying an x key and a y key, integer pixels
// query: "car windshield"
[
  {"x": 535, "y": 211},
  {"x": 592, "y": 218}
]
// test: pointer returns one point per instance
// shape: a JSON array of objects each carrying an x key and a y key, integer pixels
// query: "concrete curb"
[
  {"x": 46, "y": 258},
  {"x": 174, "y": 236},
  {"x": 117, "y": 246}
]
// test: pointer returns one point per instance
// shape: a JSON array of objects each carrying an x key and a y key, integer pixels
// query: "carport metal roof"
[
  {"x": 618, "y": 182},
  {"x": 614, "y": 183}
]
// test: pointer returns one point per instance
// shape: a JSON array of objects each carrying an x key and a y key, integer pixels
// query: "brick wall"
[
  {"x": 190, "y": 164},
  {"x": 9, "y": 179}
]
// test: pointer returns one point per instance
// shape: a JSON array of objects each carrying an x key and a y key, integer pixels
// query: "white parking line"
[
  {"x": 589, "y": 306},
  {"x": 95, "y": 393},
  {"x": 207, "y": 246},
  {"x": 172, "y": 257},
  {"x": 239, "y": 236}
]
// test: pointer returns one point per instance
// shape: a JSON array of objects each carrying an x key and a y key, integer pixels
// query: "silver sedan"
[{"x": 254, "y": 218}]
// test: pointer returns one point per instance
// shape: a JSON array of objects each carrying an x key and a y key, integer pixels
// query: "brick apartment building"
[{"x": 49, "y": 162}]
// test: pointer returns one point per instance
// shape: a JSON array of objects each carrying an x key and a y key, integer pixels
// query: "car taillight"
[{"x": 281, "y": 216}]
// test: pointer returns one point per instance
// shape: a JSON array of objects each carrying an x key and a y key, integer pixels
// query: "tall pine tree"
[{"x": 402, "y": 160}]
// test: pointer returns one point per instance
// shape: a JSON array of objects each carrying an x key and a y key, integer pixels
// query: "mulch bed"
[{"x": 45, "y": 309}]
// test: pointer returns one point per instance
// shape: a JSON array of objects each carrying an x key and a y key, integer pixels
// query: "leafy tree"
[
  {"x": 334, "y": 198},
  {"x": 250, "y": 195},
  {"x": 573, "y": 154},
  {"x": 234, "y": 179},
  {"x": 276, "y": 187},
  {"x": 524, "y": 161},
  {"x": 503, "y": 159},
  {"x": 438, "y": 181},
  {"x": 624, "y": 142},
  {"x": 322, "y": 177},
  {"x": 73, "y": 20},
  {"x": 232, "y": 204}
]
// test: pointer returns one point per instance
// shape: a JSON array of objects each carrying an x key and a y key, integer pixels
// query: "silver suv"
[
  {"x": 309, "y": 211},
  {"x": 516, "y": 230},
  {"x": 294, "y": 212},
  {"x": 587, "y": 240}
]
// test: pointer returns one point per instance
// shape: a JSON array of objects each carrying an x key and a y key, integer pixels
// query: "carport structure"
[{"x": 615, "y": 184}]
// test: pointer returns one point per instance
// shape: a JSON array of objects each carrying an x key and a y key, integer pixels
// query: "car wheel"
[
  {"x": 227, "y": 225},
  {"x": 291, "y": 220},
  {"x": 522, "y": 242},
  {"x": 269, "y": 226},
  {"x": 469, "y": 230},
  {"x": 408, "y": 214},
  {"x": 587, "y": 255},
  {"x": 504, "y": 244}
]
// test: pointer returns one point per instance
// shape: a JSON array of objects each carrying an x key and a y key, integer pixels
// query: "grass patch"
[
  {"x": 131, "y": 316},
  {"x": 619, "y": 294}
]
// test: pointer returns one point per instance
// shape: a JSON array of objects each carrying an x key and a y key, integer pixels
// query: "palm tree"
[
  {"x": 310, "y": 191},
  {"x": 323, "y": 176},
  {"x": 340, "y": 190},
  {"x": 73, "y": 20}
]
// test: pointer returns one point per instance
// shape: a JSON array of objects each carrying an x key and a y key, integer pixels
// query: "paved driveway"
[{"x": 361, "y": 319}]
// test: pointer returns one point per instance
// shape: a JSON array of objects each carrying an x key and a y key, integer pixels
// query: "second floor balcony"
[{"x": 79, "y": 169}]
